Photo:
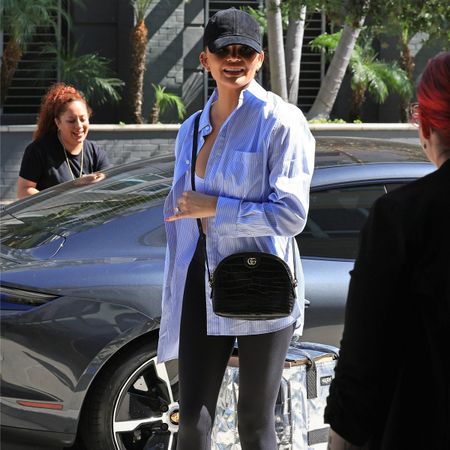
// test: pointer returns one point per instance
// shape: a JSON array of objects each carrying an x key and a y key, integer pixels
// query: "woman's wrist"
[{"x": 213, "y": 205}]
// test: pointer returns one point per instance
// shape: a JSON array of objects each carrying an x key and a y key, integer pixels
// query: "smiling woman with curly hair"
[{"x": 60, "y": 151}]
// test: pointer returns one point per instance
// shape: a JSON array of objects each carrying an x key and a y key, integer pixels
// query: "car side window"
[{"x": 335, "y": 219}]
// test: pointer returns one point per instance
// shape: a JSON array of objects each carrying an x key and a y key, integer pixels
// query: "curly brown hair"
[{"x": 54, "y": 103}]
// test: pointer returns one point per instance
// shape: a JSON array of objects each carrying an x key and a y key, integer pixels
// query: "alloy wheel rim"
[{"x": 145, "y": 414}]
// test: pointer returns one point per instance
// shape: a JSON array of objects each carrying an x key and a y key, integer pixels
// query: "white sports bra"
[{"x": 199, "y": 184}]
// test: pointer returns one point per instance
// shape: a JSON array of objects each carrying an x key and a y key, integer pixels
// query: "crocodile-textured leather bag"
[
  {"x": 249, "y": 285},
  {"x": 253, "y": 286}
]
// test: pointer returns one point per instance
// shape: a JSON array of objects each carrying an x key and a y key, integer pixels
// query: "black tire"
[{"x": 133, "y": 405}]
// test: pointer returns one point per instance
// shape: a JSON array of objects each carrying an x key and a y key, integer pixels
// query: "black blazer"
[{"x": 391, "y": 389}]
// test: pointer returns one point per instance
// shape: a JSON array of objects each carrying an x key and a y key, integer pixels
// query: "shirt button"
[{"x": 187, "y": 161}]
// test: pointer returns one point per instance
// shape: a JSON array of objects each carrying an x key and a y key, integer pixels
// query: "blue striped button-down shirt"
[{"x": 260, "y": 168}]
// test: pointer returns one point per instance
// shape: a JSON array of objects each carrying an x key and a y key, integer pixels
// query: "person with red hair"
[
  {"x": 60, "y": 151},
  {"x": 391, "y": 386}
]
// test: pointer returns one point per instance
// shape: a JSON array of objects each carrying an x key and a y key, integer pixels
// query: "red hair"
[
  {"x": 54, "y": 103},
  {"x": 433, "y": 95}
]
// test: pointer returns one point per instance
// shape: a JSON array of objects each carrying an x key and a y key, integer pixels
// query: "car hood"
[{"x": 24, "y": 242}]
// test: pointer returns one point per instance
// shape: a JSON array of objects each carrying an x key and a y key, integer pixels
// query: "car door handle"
[{"x": 307, "y": 303}]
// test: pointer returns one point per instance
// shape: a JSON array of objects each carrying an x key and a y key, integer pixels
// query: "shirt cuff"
[{"x": 227, "y": 210}]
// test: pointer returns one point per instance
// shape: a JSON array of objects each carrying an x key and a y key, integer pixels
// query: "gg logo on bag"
[{"x": 251, "y": 262}]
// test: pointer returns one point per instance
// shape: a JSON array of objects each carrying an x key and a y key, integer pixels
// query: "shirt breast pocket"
[{"x": 243, "y": 174}]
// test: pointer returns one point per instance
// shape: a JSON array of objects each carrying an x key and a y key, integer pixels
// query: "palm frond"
[
  {"x": 377, "y": 86},
  {"x": 259, "y": 15},
  {"x": 165, "y": 100},
  {"x": 20, "y": 18},
  {"x": 91, "y": 74},
  {"x": 396, "y": 78},
  {"x": 326, "y": 42},
  {"x": 141, "y": 9},
  {"x": 377, "y": 77}
]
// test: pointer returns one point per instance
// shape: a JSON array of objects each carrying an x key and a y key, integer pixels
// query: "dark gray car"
[{"x": 82, "y": 269}]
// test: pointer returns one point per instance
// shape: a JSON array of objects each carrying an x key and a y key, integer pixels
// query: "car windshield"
[{"x": 79, "y": 206}]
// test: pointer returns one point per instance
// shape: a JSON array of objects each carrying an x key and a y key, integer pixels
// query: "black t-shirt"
[{"x": 44, "y": 162}]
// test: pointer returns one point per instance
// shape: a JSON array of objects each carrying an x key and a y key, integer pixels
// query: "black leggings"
[{"x": 202, "y": 363}]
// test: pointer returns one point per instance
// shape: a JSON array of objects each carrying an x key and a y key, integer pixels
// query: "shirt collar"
[{"x": 254, "y": 90}]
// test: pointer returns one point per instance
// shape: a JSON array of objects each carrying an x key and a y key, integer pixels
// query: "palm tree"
[
  {"x": 91, "y": 74},
  {"x": 164, "y": 100},
  {"x": 369, "y": 75},
  {"x": 407, "y": 20},
  {"x": 294, "y": 43},
  {"x": 19, "y": 20},
  {"x": 278, "y": 81},
  {"x": 293, "y": 14},
  {"x": 321, "y": 108},
  {"x": 138, "y": 43}
]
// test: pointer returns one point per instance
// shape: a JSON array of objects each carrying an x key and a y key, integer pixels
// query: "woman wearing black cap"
[{"x": 252, "y": 177}]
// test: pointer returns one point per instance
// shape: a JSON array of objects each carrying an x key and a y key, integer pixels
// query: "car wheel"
[{"x": 133, "y": 406}]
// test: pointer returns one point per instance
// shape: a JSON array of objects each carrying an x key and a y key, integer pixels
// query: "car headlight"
[{"x": 13, "y": 298}]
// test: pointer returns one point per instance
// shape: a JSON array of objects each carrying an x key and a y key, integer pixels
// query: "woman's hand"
[
  {"x": 89, "y": 178},
  {"x": 195, "y": 205}
]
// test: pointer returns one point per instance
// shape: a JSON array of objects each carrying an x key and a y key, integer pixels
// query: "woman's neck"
[
  {"x": 438, "y": 148},
  {"x": 73, "y": 150},
  {"x": 442, "y": 157},
  {"x": 226, "y": 103}
]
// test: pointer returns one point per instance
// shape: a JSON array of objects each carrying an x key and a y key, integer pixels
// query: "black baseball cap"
[{"x": 232, "y": 26}]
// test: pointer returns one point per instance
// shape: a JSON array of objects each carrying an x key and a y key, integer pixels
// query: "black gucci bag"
[
  {"x": 253, "y": 286},
  {"x": 248, "y": 285}
]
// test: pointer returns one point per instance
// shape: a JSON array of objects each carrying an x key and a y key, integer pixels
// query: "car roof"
[
  {"x": 370, "y": 173},
  {"x": 338, "y": 151}
]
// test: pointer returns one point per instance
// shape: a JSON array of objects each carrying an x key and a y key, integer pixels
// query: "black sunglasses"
[{"x": 243, "y": 51}]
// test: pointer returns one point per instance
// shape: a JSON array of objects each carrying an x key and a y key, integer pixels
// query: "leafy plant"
[
  {"x": 91, "y": 74},
  {"x": 369, "y": 74},
  {"x": 163, "y": 101},
  {"x": 325, "y": 120},
  {"x": 259, "y": 15},
  {"x": 19, "y": 20},
  {"x": 405, "y": 19}
]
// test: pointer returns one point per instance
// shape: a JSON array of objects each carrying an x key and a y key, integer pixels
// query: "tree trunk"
[
  {"x": 138, "y": 43},
  {"x": 154, "y": 116},
  {"x": 358, "y": 98},
  {"x": 407, "y": 64},
  {"x": 329, "y": 88},
  {"x": 10, "y": 60},
  {"x": 276, "y": 49},
  {"x": 294, "y": 42}
]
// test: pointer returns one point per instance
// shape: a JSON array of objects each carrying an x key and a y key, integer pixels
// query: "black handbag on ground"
[{"x": 248, "y": 285}]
